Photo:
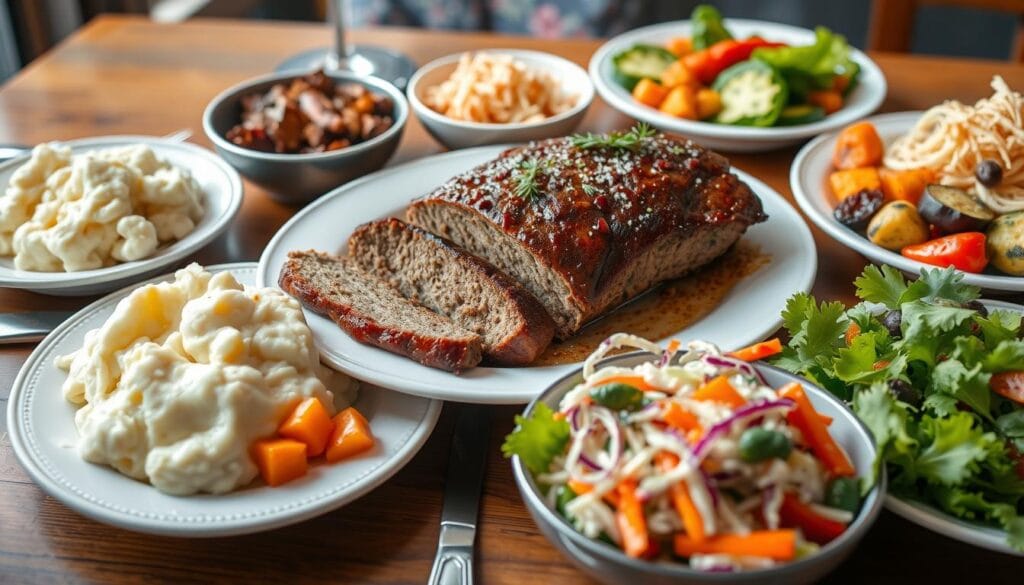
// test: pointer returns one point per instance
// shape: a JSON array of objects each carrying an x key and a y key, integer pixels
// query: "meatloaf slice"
[
  {"x": 373, "y": 312},
  {"x": 445, "y": 278},
  {"x": 585, "y": 225}
]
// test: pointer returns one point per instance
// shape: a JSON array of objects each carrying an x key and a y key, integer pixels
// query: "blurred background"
[{"x": 969, "y": 28}]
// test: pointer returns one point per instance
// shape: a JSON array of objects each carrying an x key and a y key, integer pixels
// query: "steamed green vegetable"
[
  {"x": 958, "y": 448},
  {"x": 812, "y": 67},
  {"x": 640, "y": 62},
  {"x": 752, "y": 94},
  {"x": 707, "y": 26}
]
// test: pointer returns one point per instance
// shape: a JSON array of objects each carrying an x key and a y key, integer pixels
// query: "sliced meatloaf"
[
  {"x": 372, "y": 311},
  {"x": 443, "y": 277},
  {"x": 585, "y": 228}
]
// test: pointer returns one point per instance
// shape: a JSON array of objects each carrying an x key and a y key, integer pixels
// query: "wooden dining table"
[{"x": 127, "y": 75}]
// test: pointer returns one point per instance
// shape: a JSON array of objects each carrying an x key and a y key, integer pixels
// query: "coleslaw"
[{"x": 693, "y": 453}]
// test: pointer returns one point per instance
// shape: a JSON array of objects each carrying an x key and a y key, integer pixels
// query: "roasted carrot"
[
  {"x": 779, "y": 545},
  {"x": 858, "y": 145},
  {"x": 709, "y": 103},
  {"x": 905, "y": 185},
  {"x": 758, "y": 351},
  {"x": 680, "y": 102},
  {"x": 679, "y": 46},
  {"x": 649, "y": 92},
  {"x": 677, "y": 74},
  {"x": 719, "y": 390},
  {"x": 279, "y": 460},
  {"x": 795, "y": 514},
  {"x": 805, "y": 418},
  {"x": 310, "y": 424},
  {"x": 636, "y": 540},
  {"x": 853, "y": 181},
  {"x": 680, "y": 494},
  {"x": 676, "y": 416},
  {"x": 351, "y": 435}
]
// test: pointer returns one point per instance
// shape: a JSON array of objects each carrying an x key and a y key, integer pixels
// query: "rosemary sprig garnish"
[
  {"x": 526, "y": 181},
  {"x": 624, "y": 140}
]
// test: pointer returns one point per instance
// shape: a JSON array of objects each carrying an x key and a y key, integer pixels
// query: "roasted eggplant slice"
[{"x": 953, "y": 210}]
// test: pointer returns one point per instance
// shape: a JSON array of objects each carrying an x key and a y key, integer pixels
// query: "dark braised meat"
[{"x": 311, "y": 114}]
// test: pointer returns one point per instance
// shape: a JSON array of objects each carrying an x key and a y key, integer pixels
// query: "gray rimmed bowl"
[
  {"x": 607, "y": 564},
  {"x": 297, "y": 179}
]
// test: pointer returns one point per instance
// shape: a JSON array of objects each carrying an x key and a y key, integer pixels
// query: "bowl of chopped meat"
[{"x": 299, "y": 136}]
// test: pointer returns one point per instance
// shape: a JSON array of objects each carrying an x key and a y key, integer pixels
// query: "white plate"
[
  {"x": 42, "y": 431},
  {"x": 864, "y": 99},
  {"x": 938, "y": 521},
  {"x": 748, "y": 313},
  {"x": 808, "y": 177},
  {"x": 222, "y": 198}
]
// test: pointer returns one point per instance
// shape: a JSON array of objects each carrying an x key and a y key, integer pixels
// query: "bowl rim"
[
  {"x": 424, "y": 111},
  {"x": 848, "y": 114},
  {"x": 238, "y": 89},
  {"x": 872, "y": 505}
]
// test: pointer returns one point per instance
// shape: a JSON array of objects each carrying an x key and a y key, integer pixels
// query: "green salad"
[{"x": 937, "y": 378}]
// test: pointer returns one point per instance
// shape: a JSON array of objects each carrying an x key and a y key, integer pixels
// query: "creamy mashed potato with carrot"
[
  {"x": 65, "y": 212},
  {"x": 185, "y": 375}
]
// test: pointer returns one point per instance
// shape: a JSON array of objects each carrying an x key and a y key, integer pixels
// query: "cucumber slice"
[
  {"x": 753, "y": 94},
  {"x": 800, "y": 114},
  {"x": 640, "y": 62}
]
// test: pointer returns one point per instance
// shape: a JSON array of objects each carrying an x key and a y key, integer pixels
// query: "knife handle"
[{"x": 453, "y": 564}]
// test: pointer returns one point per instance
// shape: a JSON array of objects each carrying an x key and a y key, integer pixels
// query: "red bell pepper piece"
[
  {"x": 964, "y": 251},
  {"x": 707, "y": 64},
  {"x": 816, "y": 528},
  {"x": 1009, "y": 385}
]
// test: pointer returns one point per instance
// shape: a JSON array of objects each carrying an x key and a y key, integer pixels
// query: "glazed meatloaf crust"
[
  {"x": 478, "y": 297},
  {"x": 372, "y": 311},
  {"x": 587, "y": 227}
]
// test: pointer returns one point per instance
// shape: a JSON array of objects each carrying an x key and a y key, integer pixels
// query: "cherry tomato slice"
[
  {"x": 1009, "y": 385},
  {"x": 964, "y": 251}
]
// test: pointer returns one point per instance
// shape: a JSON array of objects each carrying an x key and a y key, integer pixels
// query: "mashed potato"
[
  {"x": 184, "y": 376},
  {"x": 65, "y": 212}
]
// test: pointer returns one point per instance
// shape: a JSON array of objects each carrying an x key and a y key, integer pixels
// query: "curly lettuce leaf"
[
  {"x": 952, "y": 449},
  {"x": 537, "y": 440},
  {"x": 969, "y": 386}
]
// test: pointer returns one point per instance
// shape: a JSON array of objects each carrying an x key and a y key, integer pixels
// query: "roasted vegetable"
[
  {"x": 896, "y": 226},
  {"x": 680, "y": 102},
  {"x": 800, "y": 114},
  {"x": 753, "y": 94},
  {"x": 964, "y": 251},
  {"x": 678, "y": 74},
  {"x": 680, "y": 46},
  {"x": 953, "y": 210},
  {"x": 857, "y": 210},
  {"x": 1006, "y": 243},
  {"x": 853, "y": 181},
  {"x": 813, "y": 67},
  {"x": 905, "y": 185},
  {"x": 829, "y": 100},
  {"x": 640, "y": 62},
  {"x": 706, "y": 65},
  {"x": 709, "y": 103},
  {"x": 707, "y": 27},
  {"x": 649, "y": 93},
  {"x": 858, "y": 145}
]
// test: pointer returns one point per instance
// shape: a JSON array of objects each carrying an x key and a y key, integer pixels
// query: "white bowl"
[
  {"x": 456, "y": 134},
  {"x": 222, "y": 198},
  {"x": 808, "y": 178},
  {"x": 863, "y": 100}
]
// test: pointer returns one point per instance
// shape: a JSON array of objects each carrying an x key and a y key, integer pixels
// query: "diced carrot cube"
[
  {"x": 310, "y": 424},
  {"x": 280, "y": 460},
  {"x": 351, "y": 436},
  {"x": 853, "y": 181},
  {"x": 649, "y": 93},
  {"x": 681, "y": 102}
]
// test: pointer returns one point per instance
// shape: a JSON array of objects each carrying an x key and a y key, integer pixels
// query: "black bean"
[
  {"x": 904, "y": 392},
  {"x": 892, "y": 321}
]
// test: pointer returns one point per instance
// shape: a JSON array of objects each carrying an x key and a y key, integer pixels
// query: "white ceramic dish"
[
  {"x": 864, "y": 99},
  {"x": 950, "y": 526},
  {"x": 748, "y": 313},
  {"x": 222, "y": 190},
  {"x": 456, "y": 134},
  {"x": 42, "y": 431},
  {"x": 808, "y": 177}
]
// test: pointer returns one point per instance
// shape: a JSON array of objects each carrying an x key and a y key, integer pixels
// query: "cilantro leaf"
[
  {"x": 1007, "y": 356},
  {"x": 538, "y": 439},
  {"x": 940, "y": 283},
  {"x": 1011, "y": 424},
  {"x": 887, "y": 420},
  {"x": 922, "y": 326},
  {"x": 797, "y": 308},
  {"x": 814, "y": 332},
  {"x": 885, "y": 285},
  {"x": 942, "y": 405},
  {"x": 860, "y": 362},
  {"x": 999, "y": 326},
  {"x": 956, "y": 448},
  {"x": 969, "y": 386}
]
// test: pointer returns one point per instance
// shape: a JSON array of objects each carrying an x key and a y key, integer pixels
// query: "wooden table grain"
[{"x": 123, "y": 75}]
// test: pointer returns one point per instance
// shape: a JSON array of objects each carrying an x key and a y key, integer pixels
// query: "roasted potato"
[
  {"x": 896, "y": 225},
  {"x": 1006, "y": 243}
]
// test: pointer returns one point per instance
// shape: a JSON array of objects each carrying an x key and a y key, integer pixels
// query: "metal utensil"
[
  {"x": 30, "y": 325},
  {"x": 453, "y": 564}
]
